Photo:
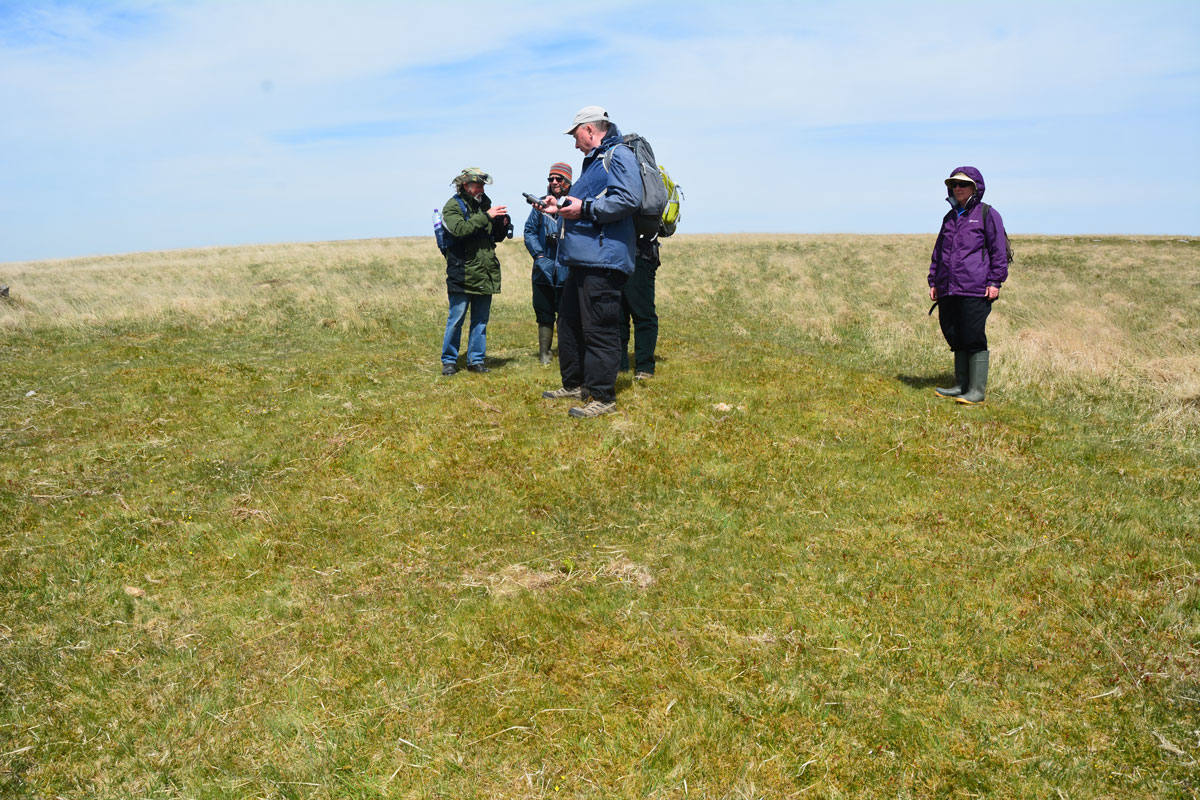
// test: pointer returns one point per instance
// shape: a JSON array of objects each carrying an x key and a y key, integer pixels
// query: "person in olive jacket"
[{"x": 472, "y": 269}]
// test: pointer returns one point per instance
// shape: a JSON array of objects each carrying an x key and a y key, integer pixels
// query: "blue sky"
[{"x": 136, "y": 125}]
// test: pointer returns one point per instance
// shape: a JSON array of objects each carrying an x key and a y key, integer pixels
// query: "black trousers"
[
  {"x": 589, "y": 332},
  {"x": 963, "y": 320},
  {"x": 637, "y": 303},
  {"x": 545, "y": 302}
]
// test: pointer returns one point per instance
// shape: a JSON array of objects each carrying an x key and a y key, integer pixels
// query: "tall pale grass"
[
  {"x": 1078, "y": 316},
  {"x": 216, "y": 284}
]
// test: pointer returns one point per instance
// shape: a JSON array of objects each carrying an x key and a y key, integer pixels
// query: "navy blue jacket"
[
  {"x": 542, "y": 233},
  {"x": 604, "y": 236}
]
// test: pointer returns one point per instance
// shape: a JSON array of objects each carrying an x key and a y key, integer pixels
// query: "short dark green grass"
[{"x": 287, "y": 559}]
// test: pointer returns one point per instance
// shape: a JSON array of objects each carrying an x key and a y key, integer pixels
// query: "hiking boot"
[
  {"x": 960, "y": 377},
  {"x": 477, "y": 368},
  {"x": 449, "y": 369},
  {"x": 643, "y": 376},
  {"x": 978, "y": 363},
  {"x": 593, "y": 409},
  {"x": 545, "y": 340},
  {"x": 563, "y": 393}
]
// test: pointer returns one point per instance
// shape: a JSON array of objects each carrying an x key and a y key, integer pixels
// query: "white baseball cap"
[{"x": 585, "y": 115}]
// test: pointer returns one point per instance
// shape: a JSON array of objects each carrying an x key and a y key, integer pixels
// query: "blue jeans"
[{"x": 481, "y": 309}]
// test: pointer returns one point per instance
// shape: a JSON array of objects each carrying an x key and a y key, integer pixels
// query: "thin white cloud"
[{"x": 138, "y": 125}]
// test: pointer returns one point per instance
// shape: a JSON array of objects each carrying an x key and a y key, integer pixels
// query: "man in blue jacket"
[
  {"x": 598, "y": 249},
  {"x": 542, "y": 233}
]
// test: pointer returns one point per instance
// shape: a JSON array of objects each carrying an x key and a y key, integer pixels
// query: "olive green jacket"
[{"x": 471, "y": 263}]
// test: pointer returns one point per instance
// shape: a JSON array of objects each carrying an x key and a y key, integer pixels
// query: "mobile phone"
[{"x": 535, "y": 201}]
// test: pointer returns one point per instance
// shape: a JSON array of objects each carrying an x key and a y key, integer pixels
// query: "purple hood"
[{"x": 974, "y": 175}]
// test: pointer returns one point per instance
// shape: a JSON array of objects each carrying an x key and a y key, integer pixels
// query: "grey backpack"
[{"x": 654, "y": 193}]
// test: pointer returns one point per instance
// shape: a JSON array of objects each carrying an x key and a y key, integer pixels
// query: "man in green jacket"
[{"x": 472, "y": 269}]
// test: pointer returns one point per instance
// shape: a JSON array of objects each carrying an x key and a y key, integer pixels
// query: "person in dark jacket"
[
  {"x": 598, "y": 248},
  {"x": 969, "y": 264},
  {"x": 637, "y": 305},
  {"x": 542, "y": 232},
  {"x": 472, "y": 269},
  {"x": 637, "y": 296}
]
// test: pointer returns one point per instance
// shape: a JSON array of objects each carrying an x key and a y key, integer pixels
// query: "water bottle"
[{"x": 439, "y": 233}]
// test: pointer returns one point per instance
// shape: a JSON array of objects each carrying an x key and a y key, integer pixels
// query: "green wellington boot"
[
  {"x": 978, "y": 368},
  {"x": 545, "y": 339},
  {"x": 960, "y": 377}
]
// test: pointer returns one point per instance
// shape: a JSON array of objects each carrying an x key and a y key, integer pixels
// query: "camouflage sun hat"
[{"x": 472, "y": 175}]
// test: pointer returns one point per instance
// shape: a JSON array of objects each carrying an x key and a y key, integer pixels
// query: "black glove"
[{"x": 502, "y": 228}]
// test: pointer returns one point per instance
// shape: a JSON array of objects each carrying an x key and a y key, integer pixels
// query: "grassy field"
[{"x": 252, "y": 545}]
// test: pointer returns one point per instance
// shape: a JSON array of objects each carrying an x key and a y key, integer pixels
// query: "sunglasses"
[
  {"x": 557, "y": 178},
  {"x": 961, "y": 185}
]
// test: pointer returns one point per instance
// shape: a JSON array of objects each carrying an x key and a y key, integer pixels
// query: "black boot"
[
  {"x": 545, "y": 339},
  {"x": 978, "y": 367},
  {"x": 960, "y": 377}
]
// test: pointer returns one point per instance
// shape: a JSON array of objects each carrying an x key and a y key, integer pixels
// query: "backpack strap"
[
  {"x": 463, "y": 206},
  {"x": 1008, "y": 251},
  {"x": 451, "y": 238},
  {"x": 606, "y": 156},
  {"x": 987, "y": 239}
]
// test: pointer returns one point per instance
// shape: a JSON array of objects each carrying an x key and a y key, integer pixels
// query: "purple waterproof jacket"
[{"x": 965, "y": 262}]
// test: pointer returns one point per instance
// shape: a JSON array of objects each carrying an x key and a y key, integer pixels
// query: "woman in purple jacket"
[{"x": 970, "y": 262}]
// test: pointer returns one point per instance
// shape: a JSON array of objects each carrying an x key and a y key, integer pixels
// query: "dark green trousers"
[
  {"x": 545, "y": 303},
  {"x": 637, "y": 304}
]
